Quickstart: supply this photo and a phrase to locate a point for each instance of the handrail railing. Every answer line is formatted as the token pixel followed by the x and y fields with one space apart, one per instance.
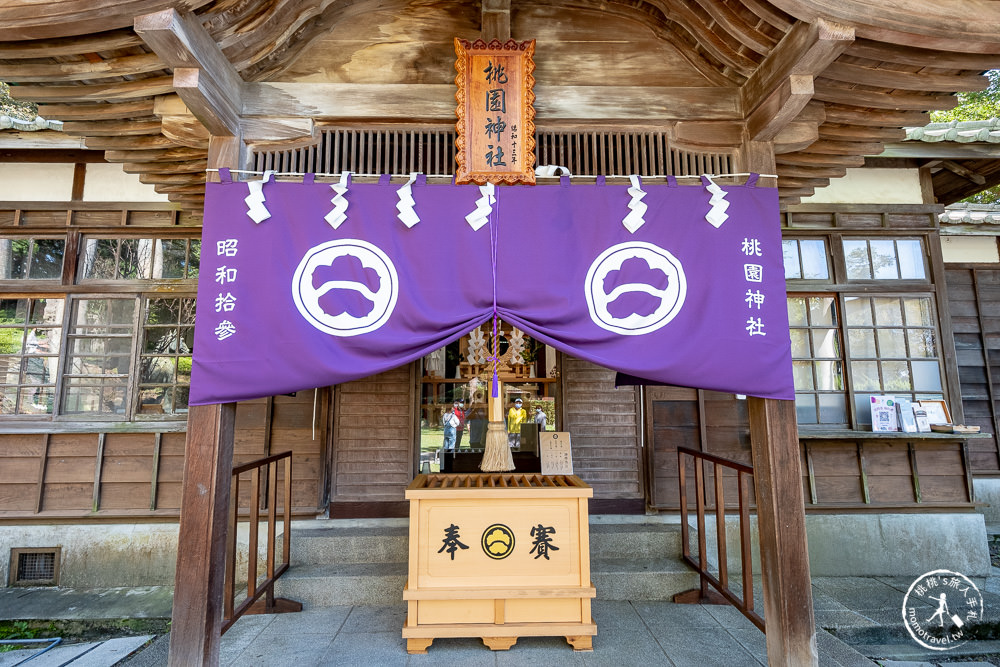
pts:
pixel 744 603
pixel 231 612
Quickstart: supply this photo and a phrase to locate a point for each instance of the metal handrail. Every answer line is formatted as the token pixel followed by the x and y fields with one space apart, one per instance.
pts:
pixel 231 612
pixel 744 603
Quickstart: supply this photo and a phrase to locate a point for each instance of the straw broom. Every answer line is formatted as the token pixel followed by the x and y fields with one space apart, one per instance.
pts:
pixel 496 456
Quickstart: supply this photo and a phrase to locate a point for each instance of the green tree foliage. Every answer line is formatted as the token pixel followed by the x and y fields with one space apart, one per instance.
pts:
pixel 982 105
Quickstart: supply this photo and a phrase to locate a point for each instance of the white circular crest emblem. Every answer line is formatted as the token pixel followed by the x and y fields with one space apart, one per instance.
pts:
pixel 361 277
pixel 611 291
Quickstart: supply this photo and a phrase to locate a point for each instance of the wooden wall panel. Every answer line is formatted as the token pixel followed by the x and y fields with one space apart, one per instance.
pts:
pixel 170 473
pixel 20 471
pixel 974 307
pixel 374 437
pixel 604 424
pixel 127 470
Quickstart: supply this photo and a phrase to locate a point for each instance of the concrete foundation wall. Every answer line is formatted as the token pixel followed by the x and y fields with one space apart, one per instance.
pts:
pixel 858 545
pixel 987 492
pixel 114 555
pixel 873 545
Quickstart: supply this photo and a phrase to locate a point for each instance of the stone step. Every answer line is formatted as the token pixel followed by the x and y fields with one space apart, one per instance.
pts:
pixel 335 542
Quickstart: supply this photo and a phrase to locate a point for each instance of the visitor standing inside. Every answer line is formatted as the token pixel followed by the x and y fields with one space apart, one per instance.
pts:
pixel 515 417
pixel 459 410
pixel 450 423
pixel 540 418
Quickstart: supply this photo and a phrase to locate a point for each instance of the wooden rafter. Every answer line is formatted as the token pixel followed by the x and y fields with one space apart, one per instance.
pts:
pixel 203 77
pixel 80 71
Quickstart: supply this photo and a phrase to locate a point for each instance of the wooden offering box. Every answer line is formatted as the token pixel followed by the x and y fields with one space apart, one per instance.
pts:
pixel 498 556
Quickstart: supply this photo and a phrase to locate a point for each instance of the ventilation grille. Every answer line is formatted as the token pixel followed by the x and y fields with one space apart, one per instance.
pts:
pixel 432 152
pixel 34 567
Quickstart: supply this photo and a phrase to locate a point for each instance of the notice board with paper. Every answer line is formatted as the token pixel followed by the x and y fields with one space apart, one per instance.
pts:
pixel 556 453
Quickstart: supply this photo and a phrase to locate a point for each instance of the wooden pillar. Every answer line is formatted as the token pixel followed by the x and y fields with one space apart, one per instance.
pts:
pixel 781 518
pixel 201 544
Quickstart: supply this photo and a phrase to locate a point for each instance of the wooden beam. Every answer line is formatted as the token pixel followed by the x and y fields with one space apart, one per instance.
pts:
pixel 62 155
pixel 128 142
pixel 175 167
pixel 42 139
pixel 965 26
pixel 956 168
pixel 807 49
pixel 918 57
pixel 155 155
pixel 713 134
pixel 861 133
pixel 830 147
pixel 853 114
pixel 69 46
pixel 496 20
pixel 805 172
pixel 436 102
pixel 829 92
pixel 780 108
pixel 804 159
pixel 80 71
pixel 795 136
pixel 205 79
pixel 210 104
pixel 112 128
pixel 103 92
pixel 99 111
pixel 922 80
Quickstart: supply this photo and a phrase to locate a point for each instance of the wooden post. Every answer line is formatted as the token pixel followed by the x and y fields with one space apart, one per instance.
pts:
pixel 781 515
pixel 201 543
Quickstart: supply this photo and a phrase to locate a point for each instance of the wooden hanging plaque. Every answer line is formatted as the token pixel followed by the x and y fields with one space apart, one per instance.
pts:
pixel 496 113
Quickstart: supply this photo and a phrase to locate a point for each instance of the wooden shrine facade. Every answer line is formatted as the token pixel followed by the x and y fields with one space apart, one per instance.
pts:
pixel 796 88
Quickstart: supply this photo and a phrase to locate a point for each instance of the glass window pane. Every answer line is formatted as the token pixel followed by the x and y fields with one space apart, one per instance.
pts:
pixel 13 311
pixel 805 408
pixel 829 376
pixel 158 370
pixel 832 408
pixel 35 401
pixel 918 312
pixel 884 260
pixel 814 265
pixel 800 344
pixel 856 256
pixel 921 342
pixel 821 312
pixel 790 255
pixel 8 400
pixel 891 343
pixel 863 408
pixel 47 259
pixel 926 376
pixel 825 344
pixel 170 260
pixel 887 311
pixel 861 343
pixel 11 340
pixel 864 376
pixel 911 259
pixel 802 372
pixel 14 258
pixel 99 259
pixel 859 311
pixel 194 260
pixel 152 399
pixel 163 311
pixel 896 376
pixel 797 311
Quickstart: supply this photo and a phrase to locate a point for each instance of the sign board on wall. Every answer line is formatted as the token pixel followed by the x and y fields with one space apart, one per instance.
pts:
pixel 496 116
pixel 556 453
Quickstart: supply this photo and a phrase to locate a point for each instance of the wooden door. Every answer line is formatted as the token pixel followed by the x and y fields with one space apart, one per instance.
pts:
pixel 374 431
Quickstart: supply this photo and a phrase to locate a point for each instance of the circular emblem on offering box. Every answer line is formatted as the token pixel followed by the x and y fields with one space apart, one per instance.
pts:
pixel 635 288
pixel 940 607
pixel 498 541
pixel 345 287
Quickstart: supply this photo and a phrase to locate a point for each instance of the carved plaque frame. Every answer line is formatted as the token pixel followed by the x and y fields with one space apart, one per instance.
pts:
pixel 495 140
